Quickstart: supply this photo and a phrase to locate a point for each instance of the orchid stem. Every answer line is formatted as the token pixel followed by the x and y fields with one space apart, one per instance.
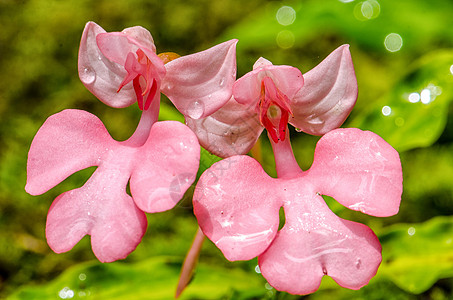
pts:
pixel 285 162
pixel 190 262
pixel 147 119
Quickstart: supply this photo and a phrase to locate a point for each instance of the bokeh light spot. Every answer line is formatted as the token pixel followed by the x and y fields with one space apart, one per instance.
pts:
pixel 414 97
pixel 66 293
pixel 286 15
pixel 393 42
pixel 451 69
pixel 367 10
pixel 285 39
pixel 386 110
pixel 425 96
pixel 399 122
pixel 411 231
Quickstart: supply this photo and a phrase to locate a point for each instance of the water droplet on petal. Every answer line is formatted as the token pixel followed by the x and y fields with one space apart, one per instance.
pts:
pixel 88 76
pixel 324 270
pixel 299 129
pixel 316 121
pixel 222 81
pixel 195 110
pixel 358 263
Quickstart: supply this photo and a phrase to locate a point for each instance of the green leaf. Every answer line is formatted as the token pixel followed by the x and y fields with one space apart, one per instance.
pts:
pixel 206 160
pixel 414 113
pixel 155 278
pixel 415 256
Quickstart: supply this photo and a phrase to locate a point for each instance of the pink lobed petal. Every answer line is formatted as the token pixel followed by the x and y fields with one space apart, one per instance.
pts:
pixel 102 209
pixel 101 76
pixel 314 242
pixel 67 142
pixel 360 170
pixel 287 79
pixel 237 208
pixel 232 130
pixel 200 83
pixel 328 95
pixel 165 166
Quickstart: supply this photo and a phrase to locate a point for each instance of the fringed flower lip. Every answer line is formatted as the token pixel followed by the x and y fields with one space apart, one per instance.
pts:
pixel 271 96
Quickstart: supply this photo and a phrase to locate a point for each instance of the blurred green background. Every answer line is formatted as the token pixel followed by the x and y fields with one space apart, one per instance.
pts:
pixel 403 56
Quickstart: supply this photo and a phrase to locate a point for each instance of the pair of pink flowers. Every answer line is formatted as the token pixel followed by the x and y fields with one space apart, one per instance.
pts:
pixel 236 203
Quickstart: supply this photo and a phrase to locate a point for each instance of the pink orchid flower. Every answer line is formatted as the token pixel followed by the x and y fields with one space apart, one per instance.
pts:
pixel 121 68
pixel 237 206
pixel 272 96
pixel 159 161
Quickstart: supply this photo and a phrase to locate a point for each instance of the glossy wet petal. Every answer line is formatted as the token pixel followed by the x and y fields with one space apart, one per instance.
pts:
pixel 116 46
pixel 101 76
pixel 287 79
pixel 231 130
pixel 314 242
pixel 102 209
pixel 328 95
pixel 141 36
pixel 200 83
pixel 360 170
pixel 165 166
pixel 67 142
pixel 237 208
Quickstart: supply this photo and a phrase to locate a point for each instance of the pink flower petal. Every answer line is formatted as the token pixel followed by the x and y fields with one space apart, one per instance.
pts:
pixel 141 36
pixel 101 76
pixel 67 142
pixel 328 95
pixel 314 242
pixel 261 63
pixel 231 130
pixel 360 170
pixel 287 79
pixel 165 166
pixel 102 209
pixel 199 84
pixel 102 57
pixel 237 208
pixel 116 46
